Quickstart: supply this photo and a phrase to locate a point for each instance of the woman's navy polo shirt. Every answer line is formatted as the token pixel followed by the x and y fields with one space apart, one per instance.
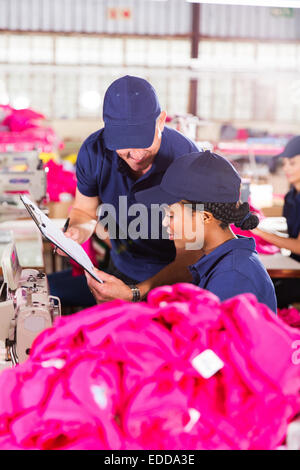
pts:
pixel 291 211
pixel 234 268
pixel 101 172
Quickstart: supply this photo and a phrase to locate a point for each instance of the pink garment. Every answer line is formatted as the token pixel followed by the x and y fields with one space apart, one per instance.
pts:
pixel 20 132
pixel 291 316
pixel 18 120
pixel 262 246
pixel 59 181
pixel 232 344
pixel 120 376
pixel 242 134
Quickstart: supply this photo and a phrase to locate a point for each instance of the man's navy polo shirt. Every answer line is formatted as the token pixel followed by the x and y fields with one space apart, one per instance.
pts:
pixel 291 211
pixel 101 172
pixel 234 268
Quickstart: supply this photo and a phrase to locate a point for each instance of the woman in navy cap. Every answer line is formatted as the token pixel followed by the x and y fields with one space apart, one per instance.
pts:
pixel 206 186
pixel 288 290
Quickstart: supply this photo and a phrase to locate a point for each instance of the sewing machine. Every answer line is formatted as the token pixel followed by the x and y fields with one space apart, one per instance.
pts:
pixel 28 308
pixel 20 172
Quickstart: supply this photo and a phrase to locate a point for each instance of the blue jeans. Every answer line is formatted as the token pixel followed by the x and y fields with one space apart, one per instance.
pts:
pixel 73 291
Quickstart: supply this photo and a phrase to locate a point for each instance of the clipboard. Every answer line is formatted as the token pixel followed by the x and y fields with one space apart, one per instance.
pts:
pixel 57 237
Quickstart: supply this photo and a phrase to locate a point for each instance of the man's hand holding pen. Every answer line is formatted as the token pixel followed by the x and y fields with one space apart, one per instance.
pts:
pixel 79 233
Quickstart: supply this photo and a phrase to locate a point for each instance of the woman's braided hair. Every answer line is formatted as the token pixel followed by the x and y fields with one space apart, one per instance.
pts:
pixel 230 213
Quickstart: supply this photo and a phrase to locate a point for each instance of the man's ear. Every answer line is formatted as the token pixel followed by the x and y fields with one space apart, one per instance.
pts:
pixel 161 120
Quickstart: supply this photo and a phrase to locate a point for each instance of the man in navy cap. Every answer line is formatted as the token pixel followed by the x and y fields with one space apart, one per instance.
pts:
pixel 131 153
pixel 288 290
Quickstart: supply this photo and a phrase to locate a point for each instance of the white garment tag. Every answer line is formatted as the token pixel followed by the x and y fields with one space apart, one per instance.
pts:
pixel 207 363
pixel 57 363
pixel 99 395
pixel 194 417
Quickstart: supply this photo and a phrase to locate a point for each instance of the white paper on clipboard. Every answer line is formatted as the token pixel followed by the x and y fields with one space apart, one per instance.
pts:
pixel 57 237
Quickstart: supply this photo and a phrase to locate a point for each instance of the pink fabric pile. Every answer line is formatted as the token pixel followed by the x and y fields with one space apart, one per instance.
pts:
pixel 122 376
pixel 291 316
pixel 19 131
pixel 59 181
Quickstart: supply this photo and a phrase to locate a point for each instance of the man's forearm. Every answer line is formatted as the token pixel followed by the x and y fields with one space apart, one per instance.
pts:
pixel 79 217
pixel 177 271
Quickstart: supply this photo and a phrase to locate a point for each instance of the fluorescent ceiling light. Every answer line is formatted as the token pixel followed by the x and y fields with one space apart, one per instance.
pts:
pixel 253 3
pixel 4 98
pixel 20 102
pixel 90 100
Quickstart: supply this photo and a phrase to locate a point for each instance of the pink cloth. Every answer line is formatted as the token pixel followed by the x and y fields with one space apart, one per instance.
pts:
pixel 18 120
pixel 20 132
pixel 120 376
pixel 291 316
pixel 59 181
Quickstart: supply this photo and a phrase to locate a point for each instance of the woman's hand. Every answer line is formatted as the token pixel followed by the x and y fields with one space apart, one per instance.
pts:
pixel 111 289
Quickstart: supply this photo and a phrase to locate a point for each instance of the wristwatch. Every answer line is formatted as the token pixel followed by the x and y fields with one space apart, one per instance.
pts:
pixel 136 293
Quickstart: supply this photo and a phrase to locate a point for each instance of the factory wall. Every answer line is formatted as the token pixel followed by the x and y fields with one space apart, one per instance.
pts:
pixel 224 21
pixel 170 17
pixel 97 16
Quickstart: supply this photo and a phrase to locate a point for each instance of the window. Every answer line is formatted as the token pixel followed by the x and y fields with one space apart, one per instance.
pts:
pixel 243 98
pixel 67 76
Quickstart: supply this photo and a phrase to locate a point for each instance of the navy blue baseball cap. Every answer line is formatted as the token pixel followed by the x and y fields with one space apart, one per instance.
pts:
pixel 197 177
pixel 292 148
pixel 130 110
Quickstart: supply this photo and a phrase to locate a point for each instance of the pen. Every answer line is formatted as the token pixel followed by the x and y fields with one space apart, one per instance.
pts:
pixel 65 228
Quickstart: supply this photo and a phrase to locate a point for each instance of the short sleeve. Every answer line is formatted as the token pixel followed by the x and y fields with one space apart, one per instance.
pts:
pixel 180 144
pixel 193 147
pixel 86 173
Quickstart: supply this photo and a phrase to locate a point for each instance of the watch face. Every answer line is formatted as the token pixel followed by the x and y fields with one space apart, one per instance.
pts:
pixel 136 295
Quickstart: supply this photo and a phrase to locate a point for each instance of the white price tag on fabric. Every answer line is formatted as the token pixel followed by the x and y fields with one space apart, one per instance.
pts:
pixel 194 417
pixel 99 395
pixel 207 363
pixel 57 363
